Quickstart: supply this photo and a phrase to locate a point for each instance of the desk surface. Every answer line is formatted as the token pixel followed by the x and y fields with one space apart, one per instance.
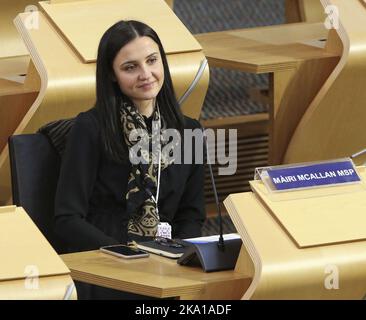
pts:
pixel 72 18
pixel 155 276
pixel 282 270
pixel 265 49
pixel 14 66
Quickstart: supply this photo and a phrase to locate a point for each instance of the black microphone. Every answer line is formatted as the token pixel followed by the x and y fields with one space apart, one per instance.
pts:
pixel 221 243
pixel 212 256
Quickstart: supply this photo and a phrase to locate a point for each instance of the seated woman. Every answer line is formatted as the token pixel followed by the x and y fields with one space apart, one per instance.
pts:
pixel 104 198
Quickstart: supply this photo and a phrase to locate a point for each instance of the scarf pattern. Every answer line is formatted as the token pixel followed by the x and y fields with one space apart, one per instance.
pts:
pixel 142 183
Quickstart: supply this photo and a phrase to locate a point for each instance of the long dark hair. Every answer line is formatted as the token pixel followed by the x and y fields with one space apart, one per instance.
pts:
pixel 109 95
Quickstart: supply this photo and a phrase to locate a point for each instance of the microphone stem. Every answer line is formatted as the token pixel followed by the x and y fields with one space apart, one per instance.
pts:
pixel 221 243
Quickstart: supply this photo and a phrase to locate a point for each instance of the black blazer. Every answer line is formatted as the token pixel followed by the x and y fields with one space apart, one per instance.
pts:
pixel 90 198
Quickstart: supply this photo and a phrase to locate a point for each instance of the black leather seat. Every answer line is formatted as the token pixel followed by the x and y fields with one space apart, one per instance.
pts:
pixel 35 166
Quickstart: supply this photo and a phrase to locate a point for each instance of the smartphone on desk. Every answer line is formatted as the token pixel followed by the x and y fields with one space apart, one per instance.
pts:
pixel 125 252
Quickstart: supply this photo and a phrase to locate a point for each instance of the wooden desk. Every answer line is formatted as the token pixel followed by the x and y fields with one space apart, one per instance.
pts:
pixel 30 268
pixel 298 63
pixel 19 88
pixel 265 49
pixel 13 66
pixel 155 276
pixel 280 268
pixel 304 10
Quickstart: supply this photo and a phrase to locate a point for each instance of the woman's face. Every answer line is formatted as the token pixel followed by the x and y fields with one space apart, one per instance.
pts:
pixel 139 70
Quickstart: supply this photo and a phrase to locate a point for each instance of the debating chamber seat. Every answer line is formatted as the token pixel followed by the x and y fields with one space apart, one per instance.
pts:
pixel 62 80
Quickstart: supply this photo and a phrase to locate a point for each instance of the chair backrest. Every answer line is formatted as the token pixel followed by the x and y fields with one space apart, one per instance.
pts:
pixel 35 166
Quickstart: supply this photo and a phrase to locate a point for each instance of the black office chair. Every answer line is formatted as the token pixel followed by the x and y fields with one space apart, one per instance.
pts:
pixel 35 166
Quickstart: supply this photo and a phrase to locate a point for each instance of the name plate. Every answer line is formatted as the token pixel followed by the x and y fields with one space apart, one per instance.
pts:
pixel 313 175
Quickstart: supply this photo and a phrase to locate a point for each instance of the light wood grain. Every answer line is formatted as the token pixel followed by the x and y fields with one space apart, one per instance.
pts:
pixel 22 244
pixel 13 108
pixel 48 288
pixel 311 11
pixel 304 215
pixel 235 121
pixel 14 45
pixel 265 49
pixel 16 97
pixel 170 3
pixel 304 10
pixel 155 276
pixel 333 125
pixel 281 270
pixel 292 11
pixel 157 14
pixel 298 63
pixel 292 93
pixel 9 67
pixel 25 253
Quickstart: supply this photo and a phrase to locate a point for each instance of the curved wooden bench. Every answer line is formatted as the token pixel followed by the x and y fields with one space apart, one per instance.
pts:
pixel 334 124
pixel 17 92
pixel 304 244
pixel 280 270
pixel 9 35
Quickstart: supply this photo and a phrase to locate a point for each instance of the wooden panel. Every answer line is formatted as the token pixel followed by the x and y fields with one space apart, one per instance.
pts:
pixel 254 123
pixel 311 11
pixel 13 108
pixel 22 244
pixel 305 214
pixel 155 276
pixel 183 68
pixel 297 59
pixel 292 93
pixel 333 125
pixel 49 288
pixel 292 11
pixel 282 271
pixel 9 35
pixel 265 49
pixel 304 11
pixel 13 66
pixel 30 267
pixel 170 3
pixel 67 15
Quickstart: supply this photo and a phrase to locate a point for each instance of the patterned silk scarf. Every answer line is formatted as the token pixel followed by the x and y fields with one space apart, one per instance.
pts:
pixel 142 182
